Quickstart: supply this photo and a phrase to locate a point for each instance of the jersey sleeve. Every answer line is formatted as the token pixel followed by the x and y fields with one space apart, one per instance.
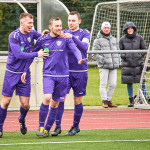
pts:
pixel 37 47
pixel 16 50
pixel 72 47
pixel 36 35
pixel 85 40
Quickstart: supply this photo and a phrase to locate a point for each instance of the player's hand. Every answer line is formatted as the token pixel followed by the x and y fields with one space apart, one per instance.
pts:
pixel 65 35
pixel 43 54
pixel 45 32
pixel 23 77
pixel 82 61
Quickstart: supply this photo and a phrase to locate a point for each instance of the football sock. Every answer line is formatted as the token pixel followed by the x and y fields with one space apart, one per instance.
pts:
pixel 23 114
pixel 3 113
pixel 51 118
pixel 59 114
pixel 43 114
pixel 78 110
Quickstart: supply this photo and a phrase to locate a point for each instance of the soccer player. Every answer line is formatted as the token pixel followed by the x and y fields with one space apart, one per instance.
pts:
pixel 20 44
pixel 55 72
pixel 77 73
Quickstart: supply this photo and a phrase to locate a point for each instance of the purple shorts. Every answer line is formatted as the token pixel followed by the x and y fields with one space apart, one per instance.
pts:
pixel 12 81
pixel 78 82
pixel 57 86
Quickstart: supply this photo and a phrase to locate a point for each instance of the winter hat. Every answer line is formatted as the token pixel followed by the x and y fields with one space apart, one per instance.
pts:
pixel 105 24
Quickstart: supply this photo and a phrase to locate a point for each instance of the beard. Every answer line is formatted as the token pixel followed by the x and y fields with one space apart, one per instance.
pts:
pixel 56 33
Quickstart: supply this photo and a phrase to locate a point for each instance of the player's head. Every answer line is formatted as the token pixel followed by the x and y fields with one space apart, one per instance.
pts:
pixel 55 26
pixel 26 22
pixel 74 20
pixel 105 27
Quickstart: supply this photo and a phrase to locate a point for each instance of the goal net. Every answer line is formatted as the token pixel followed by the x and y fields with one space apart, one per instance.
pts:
pixel 118 13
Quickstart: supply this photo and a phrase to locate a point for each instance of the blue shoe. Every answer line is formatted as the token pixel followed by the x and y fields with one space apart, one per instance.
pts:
pixel 1 133
pixel 72 131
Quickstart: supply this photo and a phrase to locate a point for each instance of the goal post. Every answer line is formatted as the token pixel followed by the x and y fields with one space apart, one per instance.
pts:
pixel 118 13
pixel 142 100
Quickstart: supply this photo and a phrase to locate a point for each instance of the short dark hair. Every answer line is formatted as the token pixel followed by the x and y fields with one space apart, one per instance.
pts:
pixel 75 13
pixel 24 15
pixel 53 19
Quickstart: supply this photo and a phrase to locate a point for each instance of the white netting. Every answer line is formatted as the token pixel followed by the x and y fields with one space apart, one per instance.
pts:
pixel 118 13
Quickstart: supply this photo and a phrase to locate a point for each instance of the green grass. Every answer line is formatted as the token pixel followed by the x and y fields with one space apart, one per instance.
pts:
pixel 120 96
pixel 103 139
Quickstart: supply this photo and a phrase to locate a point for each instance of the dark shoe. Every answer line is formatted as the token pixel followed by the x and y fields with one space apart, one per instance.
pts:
pixel 72 131
pixel 23 128
pixel 1 133
pixel 111 105
pixel 105 104
pixel 56 131
pixel 148 99
pixel 131 104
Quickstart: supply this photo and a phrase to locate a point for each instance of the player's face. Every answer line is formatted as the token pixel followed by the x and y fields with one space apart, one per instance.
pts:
pixel 26 25
pixel 106 30
pixel 56 28
pixel 130 30
pixel 73 22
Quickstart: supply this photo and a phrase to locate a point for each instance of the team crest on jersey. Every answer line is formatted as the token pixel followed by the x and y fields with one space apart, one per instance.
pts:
pixel 29 39
pixel 58 43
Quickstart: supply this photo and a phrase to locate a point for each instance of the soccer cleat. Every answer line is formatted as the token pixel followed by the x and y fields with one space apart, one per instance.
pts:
pixel 56 131
pixel 1 133
pixel 23 128
pixel 40 132
pixel 73 131
pixel 45 134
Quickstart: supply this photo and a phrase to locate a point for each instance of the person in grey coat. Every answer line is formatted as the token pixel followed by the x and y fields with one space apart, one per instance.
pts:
pixel 132 63
pixel 107 63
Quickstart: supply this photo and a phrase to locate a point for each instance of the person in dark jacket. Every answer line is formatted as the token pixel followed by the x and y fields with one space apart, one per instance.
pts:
pixel 132 63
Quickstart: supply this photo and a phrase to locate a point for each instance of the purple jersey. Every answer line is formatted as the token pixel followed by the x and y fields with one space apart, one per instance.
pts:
pixel 56 64
pixel 81 38
pixel 19 49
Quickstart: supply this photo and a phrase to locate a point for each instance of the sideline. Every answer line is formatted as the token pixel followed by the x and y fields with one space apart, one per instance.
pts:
pixel 71 142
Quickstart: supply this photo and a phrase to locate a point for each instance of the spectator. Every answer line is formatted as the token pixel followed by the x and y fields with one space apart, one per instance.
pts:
pixel 132 63
pixel 107 63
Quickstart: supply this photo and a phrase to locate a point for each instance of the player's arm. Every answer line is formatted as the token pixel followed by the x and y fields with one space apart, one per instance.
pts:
pixel 16 50
pixel 41 53
pixel 81 44
pixel 75 51
pixel 36 35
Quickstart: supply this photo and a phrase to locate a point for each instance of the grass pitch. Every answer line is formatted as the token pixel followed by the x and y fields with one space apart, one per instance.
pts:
pixel 103 139
pixel 120 95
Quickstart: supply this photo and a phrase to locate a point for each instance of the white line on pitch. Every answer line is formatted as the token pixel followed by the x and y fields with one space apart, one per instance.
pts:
pixel 105 141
